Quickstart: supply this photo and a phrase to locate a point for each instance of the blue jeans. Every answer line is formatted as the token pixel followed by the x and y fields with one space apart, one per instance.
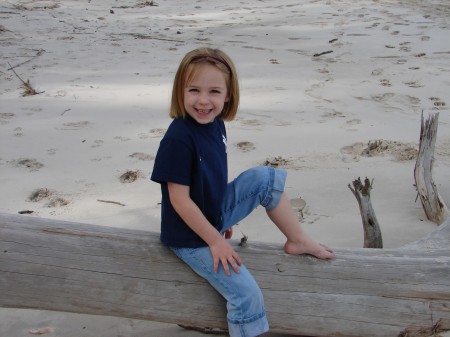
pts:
pixel 245 304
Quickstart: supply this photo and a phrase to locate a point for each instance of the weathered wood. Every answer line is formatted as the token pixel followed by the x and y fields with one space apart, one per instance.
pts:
pixel 64 266
pixel 433 204
pixel 372 231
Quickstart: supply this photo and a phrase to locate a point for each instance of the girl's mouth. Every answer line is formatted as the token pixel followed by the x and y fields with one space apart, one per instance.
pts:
pixel 203 111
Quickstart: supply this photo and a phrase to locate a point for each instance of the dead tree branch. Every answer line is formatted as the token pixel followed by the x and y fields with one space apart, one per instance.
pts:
pixel 39 53
pixel 372 232
pixel 433 205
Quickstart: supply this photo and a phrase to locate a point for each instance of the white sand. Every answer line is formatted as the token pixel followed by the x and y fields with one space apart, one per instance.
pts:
pixel 105 81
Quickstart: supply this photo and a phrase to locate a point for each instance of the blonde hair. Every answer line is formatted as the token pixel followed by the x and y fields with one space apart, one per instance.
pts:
pixel 186 72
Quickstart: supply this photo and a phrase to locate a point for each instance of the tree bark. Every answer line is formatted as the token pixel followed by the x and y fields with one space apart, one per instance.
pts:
pixel 433 205
pixel 72 267
pixel 372 231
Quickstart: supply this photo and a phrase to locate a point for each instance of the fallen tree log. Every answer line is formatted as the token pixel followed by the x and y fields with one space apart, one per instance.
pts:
pixel 71 267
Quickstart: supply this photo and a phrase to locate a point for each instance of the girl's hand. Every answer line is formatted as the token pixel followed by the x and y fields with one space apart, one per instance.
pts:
pixel 228 233
pixel 186 208
pixel 223 253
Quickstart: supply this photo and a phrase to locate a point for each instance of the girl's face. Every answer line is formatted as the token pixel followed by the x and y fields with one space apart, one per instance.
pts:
pixel 206 94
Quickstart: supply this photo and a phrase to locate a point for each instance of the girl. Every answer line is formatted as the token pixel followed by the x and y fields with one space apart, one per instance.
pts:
pixel 199 206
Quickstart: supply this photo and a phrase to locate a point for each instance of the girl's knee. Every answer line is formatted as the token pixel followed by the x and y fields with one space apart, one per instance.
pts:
pixel 259 174
pixel 271 182
pixel 267 175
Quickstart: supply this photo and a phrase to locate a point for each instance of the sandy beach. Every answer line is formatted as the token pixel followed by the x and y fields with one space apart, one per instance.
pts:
pixel 320 81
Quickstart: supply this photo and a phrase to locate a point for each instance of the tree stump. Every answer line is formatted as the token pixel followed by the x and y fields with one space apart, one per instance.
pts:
pixel 372 232
pixel 433 205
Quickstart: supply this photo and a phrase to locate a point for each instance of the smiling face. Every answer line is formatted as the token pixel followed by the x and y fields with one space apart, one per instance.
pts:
pixel 206 93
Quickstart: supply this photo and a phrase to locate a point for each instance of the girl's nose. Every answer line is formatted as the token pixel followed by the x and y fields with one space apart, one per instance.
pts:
pixel 203 98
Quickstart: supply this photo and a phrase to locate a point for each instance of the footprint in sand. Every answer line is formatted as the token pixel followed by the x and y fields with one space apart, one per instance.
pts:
pixel 153 133
pixel 251 122
pixel 158 132
pixel 323 71
pixel 122 139
pixel 74 125
pixel 382 97
pixel 40 194
pixel 437 102
pixel 44 193
pixel 18 132
pixel 142 156
pixel 404 47
pixel 298 205
pixel 377 72
pixel 37 5
pixel 31 164
pixel 5 117
pixel 413 84
pixel 58 202
pixel 97 159
pixel 333 114
pixel 245 146
pixel 97 143
pixel 352 153
pixel 60 93
pixel 130 176
pixel 354 121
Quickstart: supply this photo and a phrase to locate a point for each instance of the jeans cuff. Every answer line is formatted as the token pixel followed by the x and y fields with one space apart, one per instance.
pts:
pixel 279 180
pixel 249 329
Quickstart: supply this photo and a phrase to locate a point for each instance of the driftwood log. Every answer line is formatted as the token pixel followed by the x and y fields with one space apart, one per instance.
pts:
pixel 433 204
pixel 372 231
pixel 71 267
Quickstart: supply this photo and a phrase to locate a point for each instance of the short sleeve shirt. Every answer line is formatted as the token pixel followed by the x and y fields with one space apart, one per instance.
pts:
pixel 194 155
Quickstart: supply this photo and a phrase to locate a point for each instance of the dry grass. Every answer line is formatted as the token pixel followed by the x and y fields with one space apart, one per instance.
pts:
pixel 28 89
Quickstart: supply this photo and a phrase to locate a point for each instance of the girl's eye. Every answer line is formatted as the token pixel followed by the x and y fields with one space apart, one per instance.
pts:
pixel 215 91
pixel 193 90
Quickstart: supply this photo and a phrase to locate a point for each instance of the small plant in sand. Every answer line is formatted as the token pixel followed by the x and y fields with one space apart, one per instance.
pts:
pixel 39 194
pixel 130 176
pixel 147 3
pixel 28 89
pixel 141 4
pixel 276 161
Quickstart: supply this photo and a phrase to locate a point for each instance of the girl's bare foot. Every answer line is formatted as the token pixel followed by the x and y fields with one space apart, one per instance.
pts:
pixel 309 247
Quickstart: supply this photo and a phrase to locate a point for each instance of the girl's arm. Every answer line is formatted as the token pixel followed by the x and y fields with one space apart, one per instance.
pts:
pixel 221 250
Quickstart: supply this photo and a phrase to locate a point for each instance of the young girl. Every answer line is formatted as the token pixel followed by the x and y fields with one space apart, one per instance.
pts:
pixel 199 206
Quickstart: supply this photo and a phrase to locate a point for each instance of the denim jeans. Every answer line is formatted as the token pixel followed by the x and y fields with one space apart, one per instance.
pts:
pixel 245 305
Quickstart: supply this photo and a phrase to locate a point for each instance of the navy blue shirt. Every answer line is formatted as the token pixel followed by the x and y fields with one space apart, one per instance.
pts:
pixel 195 155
